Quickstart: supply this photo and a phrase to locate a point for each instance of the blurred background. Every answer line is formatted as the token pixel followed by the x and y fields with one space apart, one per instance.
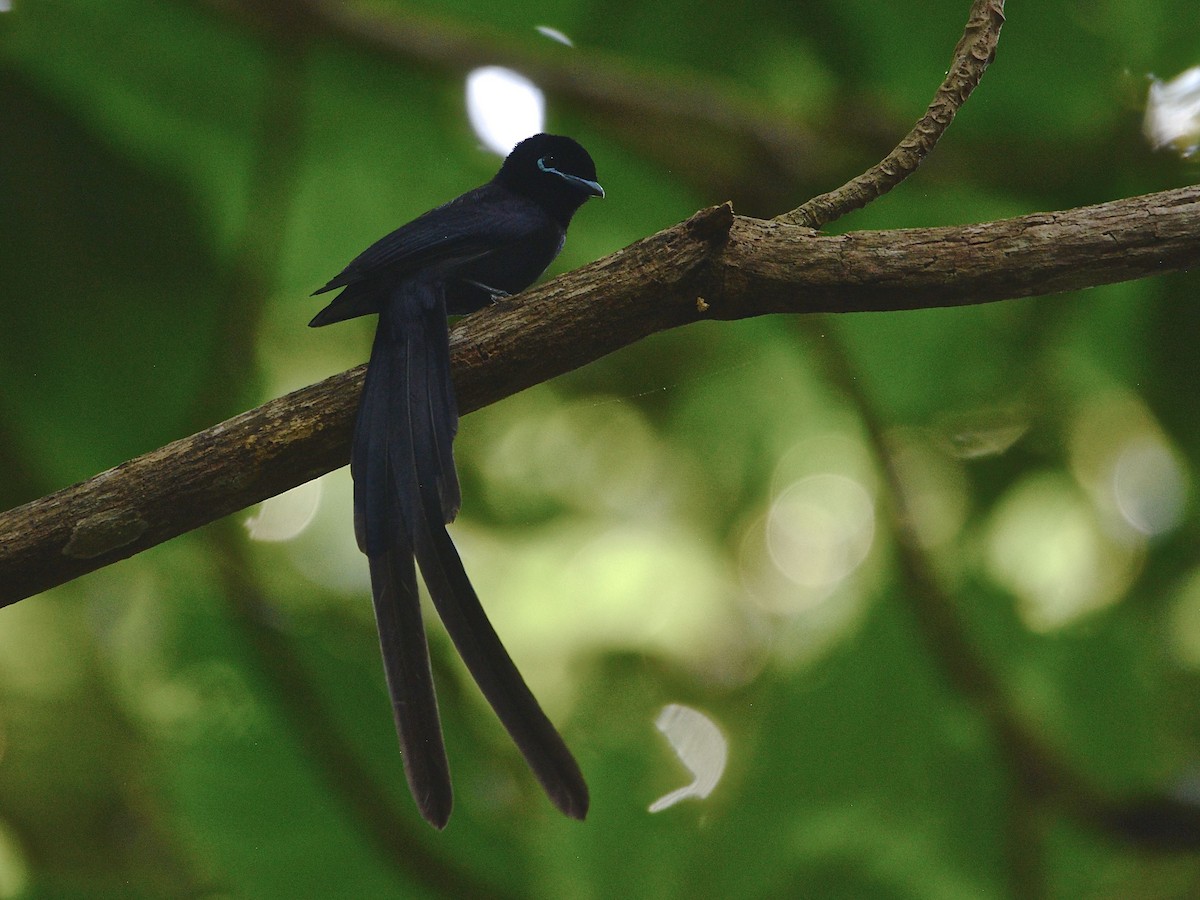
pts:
pixel 920 590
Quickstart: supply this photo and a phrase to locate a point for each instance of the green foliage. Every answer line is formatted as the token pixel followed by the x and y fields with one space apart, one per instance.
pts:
pixel 171 726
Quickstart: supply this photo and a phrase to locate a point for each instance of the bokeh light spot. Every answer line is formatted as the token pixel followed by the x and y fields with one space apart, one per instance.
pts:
pixel 933 484
pixel 504 107
pixel 1149 486
pixel 820 529
pixel 582 455
pixel 285 516
pixel 1045 545
pixel 1173 113
pixel 14 862
pixel 984 432
pixel 555 35
pixel 1183 635
pixel 1121 457
pixel 700 746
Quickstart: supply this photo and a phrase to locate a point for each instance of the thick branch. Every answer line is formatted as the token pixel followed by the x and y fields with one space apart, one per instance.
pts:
pixel 715 265
pixel 773 268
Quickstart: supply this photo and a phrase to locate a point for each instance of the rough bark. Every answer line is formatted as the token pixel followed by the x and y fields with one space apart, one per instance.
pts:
pixel 716 265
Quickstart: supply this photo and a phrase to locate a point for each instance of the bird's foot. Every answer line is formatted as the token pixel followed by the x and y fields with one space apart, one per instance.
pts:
pixel 495 294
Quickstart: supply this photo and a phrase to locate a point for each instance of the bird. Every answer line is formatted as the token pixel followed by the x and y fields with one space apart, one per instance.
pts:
pixel 478 248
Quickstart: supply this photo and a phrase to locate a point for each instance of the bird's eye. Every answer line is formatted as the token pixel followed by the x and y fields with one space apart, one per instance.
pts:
pixel 546 164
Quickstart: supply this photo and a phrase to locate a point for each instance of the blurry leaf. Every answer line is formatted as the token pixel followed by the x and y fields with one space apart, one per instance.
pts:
pixel 114 299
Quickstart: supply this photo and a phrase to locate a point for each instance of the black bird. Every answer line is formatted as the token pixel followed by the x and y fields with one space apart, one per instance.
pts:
pixel 492 241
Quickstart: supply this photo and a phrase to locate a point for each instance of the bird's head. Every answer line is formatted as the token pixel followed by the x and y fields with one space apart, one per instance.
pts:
pixel 554 171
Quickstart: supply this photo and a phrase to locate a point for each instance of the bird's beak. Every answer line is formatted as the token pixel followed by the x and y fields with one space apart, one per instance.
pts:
pixel 591 187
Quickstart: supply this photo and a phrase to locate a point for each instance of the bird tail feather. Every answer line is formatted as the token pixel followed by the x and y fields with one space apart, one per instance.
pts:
pixel 434 417
pixel 383 464
pixel 405 491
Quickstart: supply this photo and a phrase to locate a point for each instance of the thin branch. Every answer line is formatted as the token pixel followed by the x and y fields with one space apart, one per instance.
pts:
pixel 974 53
pixel 600 84
pixel 1030 765
pixel 707 128
pixel 714 265
pixel 1040 774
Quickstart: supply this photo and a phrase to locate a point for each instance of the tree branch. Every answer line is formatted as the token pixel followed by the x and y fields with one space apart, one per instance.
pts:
pixel 694 122
pixel 714 265
pixel 974 53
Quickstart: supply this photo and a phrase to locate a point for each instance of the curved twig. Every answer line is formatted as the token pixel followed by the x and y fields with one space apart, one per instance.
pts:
pixel 974 53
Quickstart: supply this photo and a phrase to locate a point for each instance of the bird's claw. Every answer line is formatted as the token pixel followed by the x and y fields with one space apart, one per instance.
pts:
pixel 495 294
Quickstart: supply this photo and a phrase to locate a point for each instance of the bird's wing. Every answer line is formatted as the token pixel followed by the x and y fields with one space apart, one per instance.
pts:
pixel 479 222
pixel 484 221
